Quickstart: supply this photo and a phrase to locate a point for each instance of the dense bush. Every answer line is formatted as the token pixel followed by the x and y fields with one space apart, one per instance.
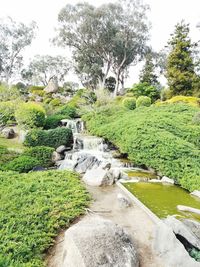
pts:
pixel 67 111
pixel 42 154
pixel 53 121
pixel 30 115
pixel 144 89
pixel 161 137
pixel 6 156
pixel 7 112
pixel 35 88
pixel 129 103
pixel 190 100
pixel 143 101
pixel 21 164
pixel 34 207
pixel 52 138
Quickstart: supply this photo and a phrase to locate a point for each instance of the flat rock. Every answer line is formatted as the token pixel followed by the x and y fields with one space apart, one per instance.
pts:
pixel 195 193
pixel 98 177
pixel 165 179
pixel 188 209
pixel 96 242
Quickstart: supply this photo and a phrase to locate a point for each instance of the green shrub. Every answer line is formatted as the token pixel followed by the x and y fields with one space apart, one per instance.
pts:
pixel 42 154
pixel 143 101
pixel 6 156
pixel 129 103
pixel 160 137
pixel 67 111
pixel 53 121
pixel 7 112
pixel 144 89
pixel 52 138
pixel 55 102
pixel 30 115
pixel 34 208
pixel 21 164
pixel 38 92
pixel 35 88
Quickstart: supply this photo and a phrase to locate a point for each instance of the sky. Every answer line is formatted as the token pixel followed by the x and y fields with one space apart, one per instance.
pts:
pixel 163 15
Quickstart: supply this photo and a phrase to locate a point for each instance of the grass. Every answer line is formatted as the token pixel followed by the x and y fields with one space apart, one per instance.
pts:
pixel 34 207
pixel 161 137
pixel 11 144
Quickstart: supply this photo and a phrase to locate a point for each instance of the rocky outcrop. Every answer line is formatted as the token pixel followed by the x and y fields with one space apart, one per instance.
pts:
pixel 170 249
pixel 96 242
pixel 181 229
pixel 8 133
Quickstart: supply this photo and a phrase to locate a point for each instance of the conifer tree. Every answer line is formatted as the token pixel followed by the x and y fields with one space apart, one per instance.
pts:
pixel 147 74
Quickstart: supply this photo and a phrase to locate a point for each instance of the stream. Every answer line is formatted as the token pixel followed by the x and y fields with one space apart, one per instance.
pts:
pixel 90 152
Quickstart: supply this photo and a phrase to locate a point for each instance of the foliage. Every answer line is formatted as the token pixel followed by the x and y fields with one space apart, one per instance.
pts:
pixel 42 154
pixel 30 115
pixel 34 88
pixel 34 207
pixel 8 93
pixel 53 121
pixel 196 118
pixel 43 68
pixel 180 72
pixel 52 138
pixel 21 164
pixel 55 102
pixel 6 155
pixel 161 137
pixel 129 102
pixel 68 111
pixel 7 112
pixel 190 100
pixel 147 74
pixel 104 38
pixel 144 89
pixel 15 37
pixel 143 101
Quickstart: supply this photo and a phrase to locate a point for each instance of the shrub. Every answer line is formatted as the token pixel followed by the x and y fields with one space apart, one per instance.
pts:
pixel 53 121
pixel 6 156
pixel 7 112
pixel 190 100
pixel 38 92
pixel 8 93
pixel 52 138
pixel 21 164
pixel 143 101
pixel 30 115
pixel 55 102
pixel 42 154
pixel 129 103
pixel 144 89
pixel 196 118
pixel 35 88
pixel 67 111
pixel 34 207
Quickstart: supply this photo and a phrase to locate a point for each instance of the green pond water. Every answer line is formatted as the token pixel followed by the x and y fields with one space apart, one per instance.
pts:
pixel 163 199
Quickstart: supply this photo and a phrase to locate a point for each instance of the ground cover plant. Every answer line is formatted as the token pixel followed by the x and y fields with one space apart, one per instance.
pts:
pixel 34 207
pixel 162 137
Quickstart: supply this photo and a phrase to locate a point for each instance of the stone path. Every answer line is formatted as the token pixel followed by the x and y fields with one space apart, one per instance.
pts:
pixel 133 219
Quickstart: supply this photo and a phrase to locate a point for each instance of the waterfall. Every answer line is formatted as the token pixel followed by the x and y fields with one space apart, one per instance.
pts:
pixel 77 125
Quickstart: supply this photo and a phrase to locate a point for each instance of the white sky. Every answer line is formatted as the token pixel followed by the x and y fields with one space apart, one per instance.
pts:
pixel 164 14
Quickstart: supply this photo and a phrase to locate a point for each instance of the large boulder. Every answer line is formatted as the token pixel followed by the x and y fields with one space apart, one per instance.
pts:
pixel 62 149
pixel 86 162
pixel 8 133
pixel 182 230
pixel 96 242
pixel 52 86
pixel 98 177
pixel 170 249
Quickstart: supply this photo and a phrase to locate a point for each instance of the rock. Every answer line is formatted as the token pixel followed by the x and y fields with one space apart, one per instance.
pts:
pixel 179 228
pixel 96 242
pixel 195 193
pixel 98 177
pixel 52 86
pixel 189 209
pixel 106 165
pixel 116 173
pixel 165 179
pixel 155 181
pixel 8 133
pixel 123 201
pixel 193 226
pixel 61 149
pixel 38 169
pixel 86 162
pixel 57 157
pixel 170 249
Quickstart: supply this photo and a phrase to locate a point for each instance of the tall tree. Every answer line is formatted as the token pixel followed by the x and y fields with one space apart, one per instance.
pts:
pixel 42 68
pixel 14 37
pixel 180 71
pixel 104 39
pixel 148 73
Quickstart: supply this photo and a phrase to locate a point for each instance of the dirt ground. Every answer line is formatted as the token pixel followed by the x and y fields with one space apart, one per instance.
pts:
pixel 133 219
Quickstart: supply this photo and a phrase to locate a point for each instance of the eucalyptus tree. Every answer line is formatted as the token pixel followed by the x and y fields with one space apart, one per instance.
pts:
pixel 104 39
pixel 43 67
pixel 14 38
